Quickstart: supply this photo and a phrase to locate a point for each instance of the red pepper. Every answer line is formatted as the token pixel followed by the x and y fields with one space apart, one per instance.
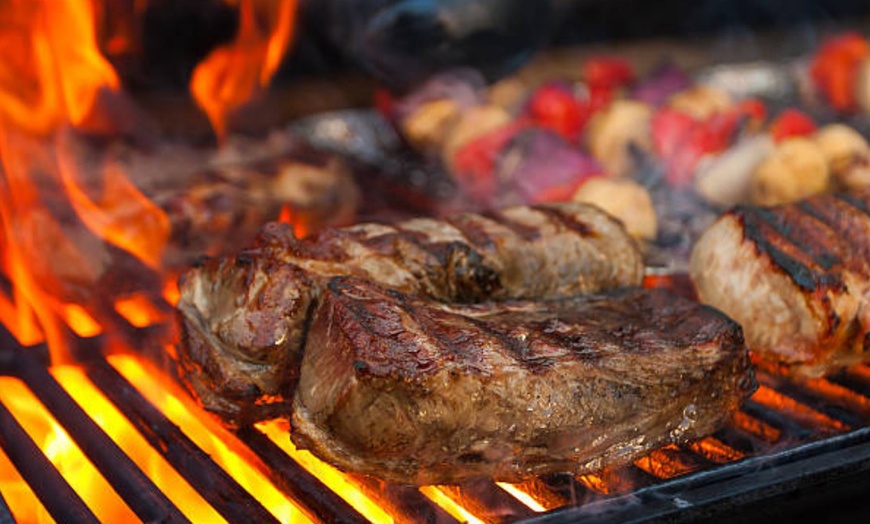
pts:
pixel 789 123
pixel 672 131
pixel 384 102
pixel 834 67
pixel 754 110
pixel 474 163
pixel 717 132
pixel 607 72
pixel 681 140
pixel 555 107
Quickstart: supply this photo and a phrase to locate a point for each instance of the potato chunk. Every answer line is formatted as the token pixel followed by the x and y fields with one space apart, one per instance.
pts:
pixel 797 169
pixel 628 201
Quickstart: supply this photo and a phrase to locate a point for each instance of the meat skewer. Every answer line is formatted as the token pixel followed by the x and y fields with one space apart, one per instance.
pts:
pixel 418 392
pixel 796 277
pixel 245 318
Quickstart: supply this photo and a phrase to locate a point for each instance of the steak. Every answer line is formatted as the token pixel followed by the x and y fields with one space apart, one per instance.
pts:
pixel 245 317
pixel 418 392
pixel 796 277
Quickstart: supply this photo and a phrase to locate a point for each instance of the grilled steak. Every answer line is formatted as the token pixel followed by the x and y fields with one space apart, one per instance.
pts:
pixel 416 392
pixel 796 276
pixel 244 318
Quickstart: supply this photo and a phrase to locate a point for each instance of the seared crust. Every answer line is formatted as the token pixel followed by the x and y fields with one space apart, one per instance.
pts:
pixel 797 277
pixel 244 317
pixel 414 392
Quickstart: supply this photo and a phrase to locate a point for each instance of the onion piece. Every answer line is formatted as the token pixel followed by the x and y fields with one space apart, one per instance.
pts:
pixel 723 180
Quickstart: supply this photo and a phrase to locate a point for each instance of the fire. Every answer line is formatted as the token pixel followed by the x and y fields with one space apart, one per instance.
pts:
pixel 801 413
pixel 134 444
pixel 66 456
pixel 294 218
pixel 52 71
pixel 68 216
pixel 164 394
pixel 232 74
pixel 437 495
pixel 334 479
pixel 59 213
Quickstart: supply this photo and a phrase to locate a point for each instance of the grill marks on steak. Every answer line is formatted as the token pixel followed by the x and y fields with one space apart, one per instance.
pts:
pixel 797 277
pixel 420 392
pixel 245 317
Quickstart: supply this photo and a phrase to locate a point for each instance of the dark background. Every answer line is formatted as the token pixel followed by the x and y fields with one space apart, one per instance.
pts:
pixel 177 34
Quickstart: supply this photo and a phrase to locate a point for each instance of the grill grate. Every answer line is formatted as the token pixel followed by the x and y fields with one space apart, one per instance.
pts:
pixel 789 436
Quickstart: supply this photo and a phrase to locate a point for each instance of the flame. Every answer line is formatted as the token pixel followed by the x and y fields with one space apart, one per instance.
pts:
pixel 524 495
pixel 296 219
pixel 52 70
pixel 139 310
pixel 755 427
pixel 57 213
pixel 119 429
pixel 716 451
pixel 121 214
pixel 22 501
pixel 233 74
pixel 801 413
pixel 66 456
pixel 438 495
pixel 666 463
pixel 596 483
pixel 165 395
pixel 337 481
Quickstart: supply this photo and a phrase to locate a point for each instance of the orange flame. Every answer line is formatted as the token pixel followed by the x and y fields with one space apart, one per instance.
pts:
pixel 52 70
pixel 57 213
pixel 159 389
pixel 232 74
pixel 66 456
pixel 122 432
pixel 296 219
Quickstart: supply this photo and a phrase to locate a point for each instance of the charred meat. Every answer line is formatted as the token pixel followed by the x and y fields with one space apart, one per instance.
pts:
pixel 245 317
pixel 796 276
pixel 418 392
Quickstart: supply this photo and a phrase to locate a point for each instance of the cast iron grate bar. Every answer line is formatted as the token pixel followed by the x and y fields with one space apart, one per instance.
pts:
pixel 794 444
pixel 568 487
pixel 406 499
pixel 486 500
pixel 295 481
pixel 59 499
pixel 230 499
pixel 134 487
pixel 727 488
pixel 807 397
pixel 6 516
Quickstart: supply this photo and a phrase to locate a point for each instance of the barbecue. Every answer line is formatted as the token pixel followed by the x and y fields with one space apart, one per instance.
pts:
pixel 137 136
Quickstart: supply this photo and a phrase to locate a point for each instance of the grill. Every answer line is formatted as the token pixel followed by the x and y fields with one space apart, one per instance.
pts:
pixel 795 445
pixel 113 437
